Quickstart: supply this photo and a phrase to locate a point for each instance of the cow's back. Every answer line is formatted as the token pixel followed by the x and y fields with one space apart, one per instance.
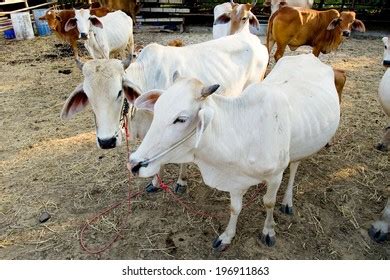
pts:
pixel 313 101
pixel 118 28
pixel 233 61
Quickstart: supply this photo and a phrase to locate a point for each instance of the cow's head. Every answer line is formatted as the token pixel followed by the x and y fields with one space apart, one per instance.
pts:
pixel 177 128
pixel 386 52
pixel 83 21
pixel 238 17
pixel 345 22
pixel 105 88
pixel 271 6
pixel 53 19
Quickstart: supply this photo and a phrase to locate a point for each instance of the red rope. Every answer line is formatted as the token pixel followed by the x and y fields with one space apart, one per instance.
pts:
pixel 111 208
pixel 201 213
pixel 130 195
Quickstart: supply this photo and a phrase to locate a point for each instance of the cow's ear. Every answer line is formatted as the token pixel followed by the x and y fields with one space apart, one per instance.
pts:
pixel 253 21
pixel 96 22
pixel 205 116
pixel 70 24
pixel 224 18
pixel 75 103
pixel 147 100
pixel 132 92
pixel 43 17
pixel 358 25
pixel 332 25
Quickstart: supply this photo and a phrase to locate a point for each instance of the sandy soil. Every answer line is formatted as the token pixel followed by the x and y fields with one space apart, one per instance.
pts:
pixel 55 166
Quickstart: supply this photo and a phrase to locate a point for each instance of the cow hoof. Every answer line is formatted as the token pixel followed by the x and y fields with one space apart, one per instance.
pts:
pixel 219 246
pixel 268 240
pixel 377 235
pixel 180 189
pixel 286 209
pixel 150 188
pixel 381 147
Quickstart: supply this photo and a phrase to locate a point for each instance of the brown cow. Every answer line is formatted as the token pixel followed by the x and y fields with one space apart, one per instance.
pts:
pixel 57 19
pixel 339 79
pixel 130 7
pixel 323 30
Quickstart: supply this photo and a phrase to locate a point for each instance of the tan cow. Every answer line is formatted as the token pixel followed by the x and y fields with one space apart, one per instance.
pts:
pixel 323 30
pixel 131 7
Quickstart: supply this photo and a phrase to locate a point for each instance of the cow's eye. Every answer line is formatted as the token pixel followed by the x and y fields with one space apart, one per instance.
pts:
pixel 119 94
pixel 180 120
pixel 244 18
pixel 385 47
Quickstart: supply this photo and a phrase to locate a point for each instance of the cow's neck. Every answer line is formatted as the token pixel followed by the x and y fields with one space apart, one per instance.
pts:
pixel 136 74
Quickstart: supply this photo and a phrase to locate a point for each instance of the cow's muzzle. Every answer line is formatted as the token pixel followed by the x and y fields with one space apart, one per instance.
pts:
pixel 107 143
pixel 83 36
pixel 346 33
pixel 386 63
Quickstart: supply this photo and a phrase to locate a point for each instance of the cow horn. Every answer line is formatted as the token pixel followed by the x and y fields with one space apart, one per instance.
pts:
pixel 206 91
pixel 254 3
pixel 79 64
pixel 126 62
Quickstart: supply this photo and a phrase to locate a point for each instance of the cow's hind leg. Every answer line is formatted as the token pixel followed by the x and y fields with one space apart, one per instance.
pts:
pixel 181 184
pixel 287 204
pixel 280 48
pixel 222 242
pixel 380 229
pixel 268 234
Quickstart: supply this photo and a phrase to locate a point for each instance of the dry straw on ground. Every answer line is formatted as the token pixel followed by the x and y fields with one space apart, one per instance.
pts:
pixel 55 166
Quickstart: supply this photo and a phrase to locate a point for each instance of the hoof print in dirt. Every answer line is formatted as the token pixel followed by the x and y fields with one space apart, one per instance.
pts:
pixel 44 217
pixel 219 246
pixel 286 209
pixel 150 188
pixel 65 71
pixel 377 234
pixel 267 240
pixel 180 189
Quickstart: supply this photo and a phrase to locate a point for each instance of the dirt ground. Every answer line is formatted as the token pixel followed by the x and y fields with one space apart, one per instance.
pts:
pixel 55 166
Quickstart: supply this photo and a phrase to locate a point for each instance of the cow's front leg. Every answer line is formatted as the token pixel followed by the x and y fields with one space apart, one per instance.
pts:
pixel 380 230
pixel 268 235
pixel 181 184
pixel 153 185
pixel 222 242
pixel 287 204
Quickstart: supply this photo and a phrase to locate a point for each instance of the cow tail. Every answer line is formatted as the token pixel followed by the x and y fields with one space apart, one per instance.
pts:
pixel 269 30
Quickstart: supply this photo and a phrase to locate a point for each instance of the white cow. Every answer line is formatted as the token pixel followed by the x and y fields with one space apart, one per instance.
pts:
pixel 384 94
pixel 105 35
pixel 240 142
pixel 380 229
pixel 234 62
pixel 230 18
pixel 276 4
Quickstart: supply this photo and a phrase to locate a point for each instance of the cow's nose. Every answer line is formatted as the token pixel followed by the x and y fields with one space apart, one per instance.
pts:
pixel 84 36
pixel 107 143
pixel 386 63
pixel 346 33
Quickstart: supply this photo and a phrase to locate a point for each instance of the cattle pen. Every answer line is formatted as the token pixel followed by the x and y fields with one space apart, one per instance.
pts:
pixel 51 166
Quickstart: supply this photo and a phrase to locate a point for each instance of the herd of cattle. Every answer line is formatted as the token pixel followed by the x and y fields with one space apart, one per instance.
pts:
pixel 210 104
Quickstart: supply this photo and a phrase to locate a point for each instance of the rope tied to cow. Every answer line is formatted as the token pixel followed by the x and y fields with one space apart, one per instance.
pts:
pixel 131 195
